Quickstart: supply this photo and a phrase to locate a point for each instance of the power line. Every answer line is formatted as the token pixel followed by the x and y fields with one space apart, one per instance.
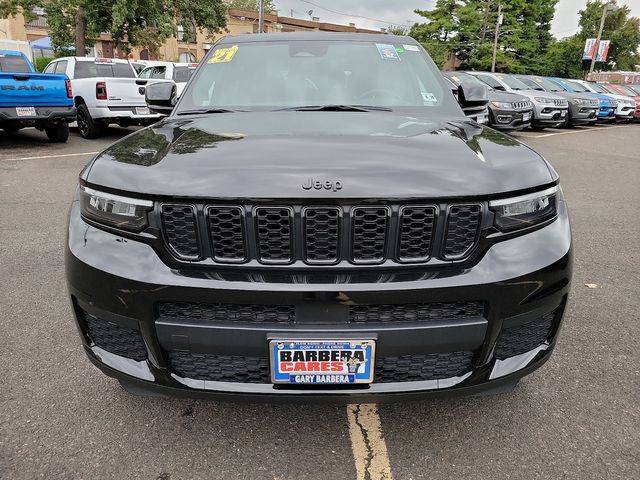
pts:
pixel 349 14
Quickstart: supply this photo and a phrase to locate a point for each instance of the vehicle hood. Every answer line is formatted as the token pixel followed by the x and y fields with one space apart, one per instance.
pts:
pixel 531 94
pixel 273 154
pixel 498 96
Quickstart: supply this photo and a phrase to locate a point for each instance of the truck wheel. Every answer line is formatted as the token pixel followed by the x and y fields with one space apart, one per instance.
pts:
pixel 86 126
pixel 58 133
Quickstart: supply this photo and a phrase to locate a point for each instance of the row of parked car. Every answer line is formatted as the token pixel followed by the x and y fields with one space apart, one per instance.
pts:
pixel 516 102
pixel 95 92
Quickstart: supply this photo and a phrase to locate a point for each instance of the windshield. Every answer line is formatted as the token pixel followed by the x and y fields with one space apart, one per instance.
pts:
pixel 287 74
pixel 627 90
pixel 550 86
pixel 513 82
pixel 530 83
pixel 594 86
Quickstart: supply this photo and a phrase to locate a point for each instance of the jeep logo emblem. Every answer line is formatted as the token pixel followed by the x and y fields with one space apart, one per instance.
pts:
pixel 322 185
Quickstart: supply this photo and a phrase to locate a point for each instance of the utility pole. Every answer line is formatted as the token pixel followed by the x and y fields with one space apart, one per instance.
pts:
pixel 495 38
pixel 261 16
pixel 607 8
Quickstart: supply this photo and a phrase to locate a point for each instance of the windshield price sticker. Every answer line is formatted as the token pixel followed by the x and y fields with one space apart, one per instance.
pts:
pixel 223 55
pixel 387 51
pixel 322 361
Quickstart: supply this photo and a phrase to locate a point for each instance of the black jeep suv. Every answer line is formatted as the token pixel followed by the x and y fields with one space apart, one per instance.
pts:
pixel 317 218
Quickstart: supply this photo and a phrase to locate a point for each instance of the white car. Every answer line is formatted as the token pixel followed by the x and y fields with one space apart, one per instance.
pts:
pixel 180 73
pixel 625 106
pixel 549 109
pixel 105 91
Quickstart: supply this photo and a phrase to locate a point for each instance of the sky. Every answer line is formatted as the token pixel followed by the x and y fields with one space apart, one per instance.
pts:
pixel 376 14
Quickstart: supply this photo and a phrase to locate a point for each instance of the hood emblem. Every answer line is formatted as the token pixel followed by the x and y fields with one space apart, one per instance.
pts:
pixel 315 184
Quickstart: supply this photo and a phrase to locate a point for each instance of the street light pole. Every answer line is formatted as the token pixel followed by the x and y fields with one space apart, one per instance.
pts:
pixel 605 10
pixel 261 16
pixel 495 39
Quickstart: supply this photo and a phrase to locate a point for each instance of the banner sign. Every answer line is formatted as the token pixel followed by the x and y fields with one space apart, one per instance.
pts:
pixel 590 50
pixel 603 51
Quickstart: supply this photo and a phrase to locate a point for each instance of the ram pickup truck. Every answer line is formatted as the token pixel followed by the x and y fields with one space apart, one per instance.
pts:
pixel 180 73
pixel 105 91
pixel 31 99
pixel 337 230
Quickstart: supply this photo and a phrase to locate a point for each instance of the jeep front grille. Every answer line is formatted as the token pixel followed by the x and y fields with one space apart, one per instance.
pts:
pixel 323 234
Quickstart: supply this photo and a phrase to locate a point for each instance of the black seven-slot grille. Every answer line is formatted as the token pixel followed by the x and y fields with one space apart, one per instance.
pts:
pixel 284 234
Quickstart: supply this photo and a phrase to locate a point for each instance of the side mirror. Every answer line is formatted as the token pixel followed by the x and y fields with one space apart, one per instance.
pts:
pixel 161 97
pixel 472 96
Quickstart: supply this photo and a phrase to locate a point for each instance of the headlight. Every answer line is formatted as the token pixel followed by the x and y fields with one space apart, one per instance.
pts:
pixel 113 210
pixel 503 105
pixel 524 211
pixel 543 99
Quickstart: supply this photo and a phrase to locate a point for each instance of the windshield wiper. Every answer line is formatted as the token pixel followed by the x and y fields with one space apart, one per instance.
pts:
pixel 334 108
pixel 207 110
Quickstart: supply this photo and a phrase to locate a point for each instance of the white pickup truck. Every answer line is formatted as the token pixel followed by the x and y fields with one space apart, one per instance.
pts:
pixel 180 73
pixel 105 91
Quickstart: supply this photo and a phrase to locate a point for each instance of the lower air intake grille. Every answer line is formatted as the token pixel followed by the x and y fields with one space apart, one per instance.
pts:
pixel 415 312
pixel 406 368
pixel 181 229
pixel 416 368
pixel 113 338
pixel 219 368
pixel 462 230
pixel 523 338
pixel 229 312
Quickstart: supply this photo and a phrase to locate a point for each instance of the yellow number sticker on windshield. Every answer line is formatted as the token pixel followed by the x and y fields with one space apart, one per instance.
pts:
pixel 223 55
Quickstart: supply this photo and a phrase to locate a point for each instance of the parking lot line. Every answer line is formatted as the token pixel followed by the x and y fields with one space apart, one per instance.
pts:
pixel 53 156
pixel 367 443
pixel 597 129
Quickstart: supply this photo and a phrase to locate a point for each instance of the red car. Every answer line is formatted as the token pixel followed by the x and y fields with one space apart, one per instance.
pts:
pixel 628 91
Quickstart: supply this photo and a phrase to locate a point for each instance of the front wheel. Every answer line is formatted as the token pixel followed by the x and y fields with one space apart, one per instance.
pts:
pixel 58 133
pixel 87 127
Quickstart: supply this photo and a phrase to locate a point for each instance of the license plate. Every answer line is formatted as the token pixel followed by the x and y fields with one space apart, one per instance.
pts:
pixel 26 111
pixel 526 117
pixel 322 362
pixel 142 110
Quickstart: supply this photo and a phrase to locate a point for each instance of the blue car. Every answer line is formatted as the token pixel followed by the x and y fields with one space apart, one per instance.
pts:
pixel 31 99
pixel 607 107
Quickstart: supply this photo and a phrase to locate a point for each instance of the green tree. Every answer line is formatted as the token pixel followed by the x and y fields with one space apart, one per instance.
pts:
pixel 250 5
pixel 467 28
pixel 564 57
pixel 145 23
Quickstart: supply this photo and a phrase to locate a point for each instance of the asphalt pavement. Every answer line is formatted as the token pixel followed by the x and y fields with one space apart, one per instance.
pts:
pixel 578 417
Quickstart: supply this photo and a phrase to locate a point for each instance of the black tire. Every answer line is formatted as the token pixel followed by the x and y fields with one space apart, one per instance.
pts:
pixel 58 133
pixel 87 127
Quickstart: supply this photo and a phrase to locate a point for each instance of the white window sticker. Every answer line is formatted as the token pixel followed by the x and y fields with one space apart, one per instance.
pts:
pixel 429 97
pixel 411 48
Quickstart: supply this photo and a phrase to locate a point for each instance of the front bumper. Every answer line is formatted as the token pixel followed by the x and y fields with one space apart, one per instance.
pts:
pixel 583 115
pixel 606 113
pixel 545 115
pixel 44 116
pixel 123 114
pixel 510 119
pixel 521 282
